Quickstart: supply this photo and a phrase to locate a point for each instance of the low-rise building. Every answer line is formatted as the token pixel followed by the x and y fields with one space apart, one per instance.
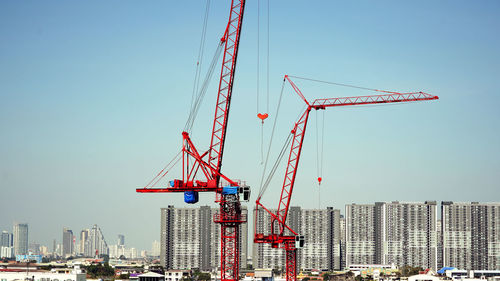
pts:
pixel 151 276
pixel 76 274
pixel 176 274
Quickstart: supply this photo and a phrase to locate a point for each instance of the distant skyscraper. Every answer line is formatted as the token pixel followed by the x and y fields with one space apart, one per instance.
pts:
pixel 6 245
pixel 97 244
pixel 155 248
pixel 191 239
pixel 121 240
pixel 84 241
pixel 44 250
pixel 7 239
pixel 67 239
pixel 20 239
pixel 34 248
pixel 471 235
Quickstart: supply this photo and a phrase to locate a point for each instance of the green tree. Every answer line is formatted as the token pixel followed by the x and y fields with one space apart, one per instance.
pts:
pixel 358 278
pixel 407 270
pixel 99 271
pixel 204 276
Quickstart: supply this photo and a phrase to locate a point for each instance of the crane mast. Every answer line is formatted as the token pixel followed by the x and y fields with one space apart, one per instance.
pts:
pixel 200 174
pixel 291 242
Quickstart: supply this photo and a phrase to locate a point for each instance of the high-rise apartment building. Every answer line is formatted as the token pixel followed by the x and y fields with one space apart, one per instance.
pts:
pixel 321 230
pixel 408 234
pixel 360 225
pixel 67 244
pixel 96 243
pixel 439 244
pixel 191 239
pixel 342 242
pixel 386 233
pixel 20 239
pixel 471 235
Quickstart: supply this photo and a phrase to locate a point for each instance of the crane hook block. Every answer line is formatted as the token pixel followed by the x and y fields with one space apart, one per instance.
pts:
pixel 262 116
pixel 320 179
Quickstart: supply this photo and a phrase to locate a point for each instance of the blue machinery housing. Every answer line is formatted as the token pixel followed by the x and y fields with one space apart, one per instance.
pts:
pixel 192 197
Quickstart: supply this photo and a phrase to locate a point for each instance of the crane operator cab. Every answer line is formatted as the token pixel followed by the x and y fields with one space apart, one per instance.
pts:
pixel 299 241
pixel 245 191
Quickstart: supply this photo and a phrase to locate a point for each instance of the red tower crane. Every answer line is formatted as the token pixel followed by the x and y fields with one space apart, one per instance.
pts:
pixel 202 172
pixel 291 242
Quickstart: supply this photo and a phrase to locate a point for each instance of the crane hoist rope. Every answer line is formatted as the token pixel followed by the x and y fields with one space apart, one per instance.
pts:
pixel 164 171
pixel 261 191
pixel 320 140
pixel 343 85
pixel 193 113
pixel 201 50
pixel 263 115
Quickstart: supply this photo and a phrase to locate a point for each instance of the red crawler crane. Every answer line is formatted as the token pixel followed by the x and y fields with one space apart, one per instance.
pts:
pixel 202 174
pixel 291 242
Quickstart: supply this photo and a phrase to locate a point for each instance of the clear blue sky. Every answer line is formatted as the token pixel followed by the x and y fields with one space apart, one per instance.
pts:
pixel 94 95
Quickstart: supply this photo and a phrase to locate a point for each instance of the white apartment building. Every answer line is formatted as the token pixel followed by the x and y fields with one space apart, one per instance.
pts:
pixel 471 235
pixel 386 233
pixel 360 234
pixel 409 234
pixel 6 252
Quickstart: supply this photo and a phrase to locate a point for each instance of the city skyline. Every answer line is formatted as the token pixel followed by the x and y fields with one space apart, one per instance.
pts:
pixel 371 211
pixel 94 102
pixel 465 236
pixel 69 244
